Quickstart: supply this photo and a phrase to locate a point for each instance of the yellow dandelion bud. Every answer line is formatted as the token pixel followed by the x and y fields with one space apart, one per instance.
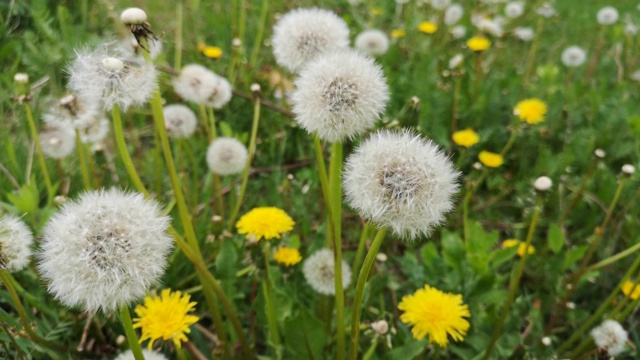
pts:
pixel 212 52
pixel 287 256
pixel 521 247
pixel 478 43
pixel 466 137
pixel 398 33
pixel 427 27
pixel 490 159
pixel 630 286
pixel 376 11
pixel 265 222
pixel 531 110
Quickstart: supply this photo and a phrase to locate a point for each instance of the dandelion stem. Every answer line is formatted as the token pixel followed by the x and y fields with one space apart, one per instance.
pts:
pixel 515 280
pixel 362 281
pixel 124 153
pixel 36 141
pixel 614 258
pixel 83 162
pixel 335 188
pixel 454 104
pixel 324 183
pixel 267 286
pixel 360 251
pixel 217 186
pixel 577 194
pixel 177 62
pixel 264 10
pixel 205 121
pixel 132 338
pixel 531 58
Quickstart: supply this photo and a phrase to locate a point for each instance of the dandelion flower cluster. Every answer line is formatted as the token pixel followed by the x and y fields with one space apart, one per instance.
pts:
pixel 202 86
pixel 179 120
pixel 400 181
pixel 302 34
pixel 287 256
pixel 15 243
pixel 105 249
pixel 319 272
pixel 573 56
pixel 478 43
pixel 631 289
pixel 435 313
pixel 227 156
pixel 372 42
pixel 490 159
pixel 521 247
pixel 165 317
pixel 148 355
pixel 340 95
pixel 57 143
pixel 531 110
pixel 466 137
pixel 265 222
pixel 610 336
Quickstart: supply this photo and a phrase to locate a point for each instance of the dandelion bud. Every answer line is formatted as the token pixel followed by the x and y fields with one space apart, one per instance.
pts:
pixel 546 341
pixel 372 42
pixel 318 270
pixel 15 243
pixel 543 183
pixel 599 153
pixel 255 88
pixel 610 336
pixel 415 101
pixel 628 169
pixel 133 16
pixel 227 156
pixel 179 120
pixel 381 327
pixel 21 78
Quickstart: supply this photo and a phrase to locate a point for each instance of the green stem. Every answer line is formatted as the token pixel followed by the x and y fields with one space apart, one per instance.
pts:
pixel 467 200
pixel 515 281
pixel 205 121
pixel 577 194
pixel 124 153
pixel 324 183
pixel 177 62
pixel 217 185
pixel 258 40
pixel 360 251
pixel 335 188
pixel 362 281
pixel 274 333
pixel 531 58
pixel 83 162
pixel 132 338
pixel 614 258
pixel 510 142
pixel 41 161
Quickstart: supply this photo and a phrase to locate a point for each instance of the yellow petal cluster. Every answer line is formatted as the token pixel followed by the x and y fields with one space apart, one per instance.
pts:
pixel 521 247
pixel 478 43
pixel 466 137
pixel 531 110
pixel 287 256
pixel 398 33
pixel 427 27
pixel 631 289
pixel 490 159
pixel 265 222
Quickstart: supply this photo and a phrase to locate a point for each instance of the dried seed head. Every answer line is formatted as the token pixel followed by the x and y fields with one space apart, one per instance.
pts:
pixel 610 336
pixel 372 42
pixel 57 143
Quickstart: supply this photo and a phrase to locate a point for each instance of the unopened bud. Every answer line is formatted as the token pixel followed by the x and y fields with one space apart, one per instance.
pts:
pixel 380 327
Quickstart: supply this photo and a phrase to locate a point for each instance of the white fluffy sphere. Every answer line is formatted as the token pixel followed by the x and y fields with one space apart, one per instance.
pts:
pixel 15 243
pixel 227 156
pixel 453 14
pixel 179 120
pixel 103 250
pixel 372 42
pixel 574 56
pixel 400 181
pixel 610 336
pixel 94 131
pixel 524 33
pixel 57 143
pixel 608 15
pixel 340 95
pixel 319 273
pixel 440 4
pixel 543 183
pixel 514 9
pixel 458 31
pixel 133 16
pixel 202 86
pixel 628 169
pixel 148 355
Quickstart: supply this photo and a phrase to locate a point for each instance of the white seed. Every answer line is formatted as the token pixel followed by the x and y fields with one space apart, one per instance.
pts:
pixel 133 16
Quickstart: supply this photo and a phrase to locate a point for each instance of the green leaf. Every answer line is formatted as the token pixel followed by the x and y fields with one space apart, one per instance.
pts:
pixel 225 129
pixel 452 249
pixel 429 253
pixel 226 260
pixel 555 238
pixel 573 255
pixel 408 351
pixel 304 336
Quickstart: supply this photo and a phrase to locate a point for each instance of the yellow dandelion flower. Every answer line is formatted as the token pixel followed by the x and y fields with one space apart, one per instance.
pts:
pixel 427 27
pixel 628 286
pixel 287 256
pixel 165 317
pixel 490 159
pixel 521 246
pixel 466 137
pixel 376 11
pixel 212 52
pixel 398 33
pixel 478 43
pixel 435 313
pixel 265 222
pixel 531 110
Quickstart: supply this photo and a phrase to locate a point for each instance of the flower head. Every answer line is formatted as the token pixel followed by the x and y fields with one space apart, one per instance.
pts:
pixel 179 120
pixel 372 42
pixel 212 52
pixel 302 34
pixel 524 33
pixel 72 112
pixel 131 49
pixel 608 15
pixel 453 14
pixel 514 9
pixel 543 183
pixel 95 130
pixel 57 143
pixel 319 272
pixel 546 10
pixel 456 61
pixel 148 355
pixel 435 313
pixel 521 247
pixel 458 31
pixel 104 250
pixel 478 43
pixel 610 336
pixel 490 159
pixel 265 222
pixel 15 243
pixel 439 4
pixel 466 137
pixel 631 289
pixel 227 156
pixel 427 27
pixel 573 56
pixel 398 33
pixel 165 317
pixel 401 181
pixel 340 95
pixel 531 110
pixel 287 256
pixel 202 86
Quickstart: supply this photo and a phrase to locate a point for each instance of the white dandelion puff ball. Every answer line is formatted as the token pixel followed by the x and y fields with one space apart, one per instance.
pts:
pixel 458 31
pixel 514 9
pixel 453 14
pixel 179 120
pixel 401 181
pixel 372 42
pixel 440 4
pixel 57 143
pixel 95 131
pixel 105 77
pixel 200 85
pixel 543 183
pixel 524 33
pixel 630 29
pixel 635 76
pixel 340 95
pixel 302 34
pixel 72 111
pixel 574 56
pixel 148 355
pixel 319 272
pixel 15 243
pixel 103 250
pixel 546 10
pixel 220 94
pixel 610 336
pixel 608 15
pixel 131 49
pixel 456 61
pixel 226 156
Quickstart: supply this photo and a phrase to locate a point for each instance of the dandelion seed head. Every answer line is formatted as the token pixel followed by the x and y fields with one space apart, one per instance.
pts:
pixel 15 243
pixel 372 42
pixel 318 270
pixel 543 183
pixel 546 10
pixel 179 120
pixel 453 14
pixel 381 327
pixel 440 4
pixel 456 61
pixel 458 31
pixel 524 33
pixel 608 15
pixel 72 112
pixel 628 169
pixel 611 336
pixel 57 143
pixel 227 156
pixel 21 78
pixel 133 16
pixel 148 355
pixel 514 9
pixel 202 86
pixel 573 56
pixel 94 131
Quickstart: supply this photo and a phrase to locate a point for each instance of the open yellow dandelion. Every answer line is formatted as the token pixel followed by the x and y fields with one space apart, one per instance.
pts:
pixel 490 159
pixel 478 43
pixel 466 137
pixel 427 27
pixel 631 289
pixel 212 52
pixel 531 110
pixel 287 256
pixel 521 246
pixel 398 33
pixel 265 222
pixel 435 313
pixel 165 317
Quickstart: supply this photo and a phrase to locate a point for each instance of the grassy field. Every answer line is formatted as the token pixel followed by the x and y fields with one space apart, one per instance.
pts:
pixel 542 305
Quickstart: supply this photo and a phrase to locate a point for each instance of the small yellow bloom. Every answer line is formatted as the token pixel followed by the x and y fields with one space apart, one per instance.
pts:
pixel 165 317
pixel 435 313
pixel 398 33
pixel 265 222
pixel 212 52
pixel 531 110
pixel 376 11
pixel 427 27
pixel 628 286
pixel 478 43
pixel 466 137
pixel 521 247
pixel 490 159
pixel 287 256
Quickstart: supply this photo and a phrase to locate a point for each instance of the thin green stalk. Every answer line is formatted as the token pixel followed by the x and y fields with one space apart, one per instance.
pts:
pixel 83 162
pixel 212 124
pixel 612 259
pixel 267 286
pixel 578 194
pixel 177 62
pixel 205 121
pixel 515 281
pixel 124 153
pixel 360 251
pixel 335 188
pixel 324 183
pixel 264 10
pixel 132 338
pixel 467 200
pixel 454 104
pixel 217 184
pixel 510 142
pixel 41 161
pixel 180 354
pixel 362 281
pixel 531 57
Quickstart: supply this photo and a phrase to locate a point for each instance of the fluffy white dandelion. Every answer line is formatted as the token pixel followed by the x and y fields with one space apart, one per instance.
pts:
pixel 221 93
pixel 227 156
pixel 573 56
pixel 440 4
pixel 630 29
pixel 106 77
pixel 72 111
pixel 21 78
pixel 202 86
pixel 628 169
pixel 524 33
pixel 15 243
pixel 608 15
pixel 148 355
pixel 133 16
pixel 94 131
pixel 490 26
pixel 105 249
pixel 318 270
pixel 456 61
pixel 179 120
pixel 302 34
pixel 543 183
pixel 381 327
pixel 546 10
pixel 57 143
pixel 458 31
pixel 401 181
pixel 373 42
pixel 610 336
pixel 635 76
pixel 453 14
pixel 131 49
pixel 340 95
pixel 514 9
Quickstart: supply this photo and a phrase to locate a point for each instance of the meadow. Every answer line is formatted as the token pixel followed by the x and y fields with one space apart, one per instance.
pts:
pixel 331 179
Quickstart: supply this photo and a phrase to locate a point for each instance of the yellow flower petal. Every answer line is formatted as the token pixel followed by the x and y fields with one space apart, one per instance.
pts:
pixel 212 52
pixel 490 159
pixel 531 110
pixel 628 286
pixel 466 137
pixel 398 33
pixel 287 256
pixel 265 222
pixel 427 27
pixel 478 43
